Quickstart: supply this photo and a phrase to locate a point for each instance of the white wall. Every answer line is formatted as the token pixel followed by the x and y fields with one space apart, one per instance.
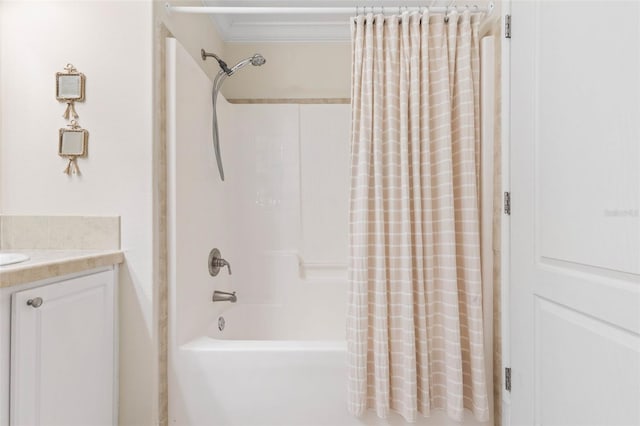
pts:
pixel 111 42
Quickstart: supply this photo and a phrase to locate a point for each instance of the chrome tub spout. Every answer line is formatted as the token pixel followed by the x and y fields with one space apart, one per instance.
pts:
pixel 223 296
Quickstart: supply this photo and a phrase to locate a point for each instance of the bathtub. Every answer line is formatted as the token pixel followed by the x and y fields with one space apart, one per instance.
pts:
pixel 237 377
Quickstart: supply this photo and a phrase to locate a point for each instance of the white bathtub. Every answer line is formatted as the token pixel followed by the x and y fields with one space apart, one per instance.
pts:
pixel 228 382
pixel 264 383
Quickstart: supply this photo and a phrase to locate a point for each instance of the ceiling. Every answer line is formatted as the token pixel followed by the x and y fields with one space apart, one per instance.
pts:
pixel 299 27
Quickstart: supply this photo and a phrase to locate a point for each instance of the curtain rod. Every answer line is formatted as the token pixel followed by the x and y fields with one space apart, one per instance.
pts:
pixel 301 10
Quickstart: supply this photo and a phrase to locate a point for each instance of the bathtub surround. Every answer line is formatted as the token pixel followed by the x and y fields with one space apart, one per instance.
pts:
pixel 414 321
pixel 287 363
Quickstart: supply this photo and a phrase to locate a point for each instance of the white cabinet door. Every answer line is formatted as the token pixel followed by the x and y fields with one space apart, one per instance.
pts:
pixel 575 221
pixel 62 353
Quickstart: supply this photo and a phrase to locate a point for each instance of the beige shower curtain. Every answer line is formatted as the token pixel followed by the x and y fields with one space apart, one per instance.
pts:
pixel 415 332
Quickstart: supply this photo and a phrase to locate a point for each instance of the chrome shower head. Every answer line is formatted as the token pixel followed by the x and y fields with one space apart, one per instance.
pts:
pixel 255 60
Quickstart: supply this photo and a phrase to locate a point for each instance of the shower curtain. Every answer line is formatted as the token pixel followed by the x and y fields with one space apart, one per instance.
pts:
pixel 415 332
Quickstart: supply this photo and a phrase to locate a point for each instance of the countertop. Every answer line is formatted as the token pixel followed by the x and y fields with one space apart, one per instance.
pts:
pixel 44 264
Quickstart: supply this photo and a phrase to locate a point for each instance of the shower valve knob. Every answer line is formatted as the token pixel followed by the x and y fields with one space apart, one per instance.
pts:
pixel 216 262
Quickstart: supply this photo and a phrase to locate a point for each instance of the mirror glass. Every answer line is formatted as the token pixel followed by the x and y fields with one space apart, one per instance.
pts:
pixel 69 86
pixel 72 142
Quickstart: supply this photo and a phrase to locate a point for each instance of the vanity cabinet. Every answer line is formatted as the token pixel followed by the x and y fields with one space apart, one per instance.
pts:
pixel 63 353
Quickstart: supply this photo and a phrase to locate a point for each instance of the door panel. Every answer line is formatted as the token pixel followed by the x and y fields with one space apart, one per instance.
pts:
pixel 588 108
pixel 569 367
pixel 575 222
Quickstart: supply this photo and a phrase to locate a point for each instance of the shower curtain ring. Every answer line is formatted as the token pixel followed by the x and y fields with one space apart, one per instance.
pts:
pixel 449 9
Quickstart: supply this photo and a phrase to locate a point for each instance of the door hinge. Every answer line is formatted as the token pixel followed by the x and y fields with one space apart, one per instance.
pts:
pixel 507 26
pixel 507 203
pixel 507 378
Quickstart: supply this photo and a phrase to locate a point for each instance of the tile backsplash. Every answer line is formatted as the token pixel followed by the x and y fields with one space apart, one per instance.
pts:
pixel 60 232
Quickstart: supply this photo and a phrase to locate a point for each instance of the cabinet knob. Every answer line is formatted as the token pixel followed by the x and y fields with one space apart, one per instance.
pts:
pixel 35 302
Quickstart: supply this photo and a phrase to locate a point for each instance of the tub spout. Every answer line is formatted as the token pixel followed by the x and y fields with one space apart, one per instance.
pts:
pixel 223 296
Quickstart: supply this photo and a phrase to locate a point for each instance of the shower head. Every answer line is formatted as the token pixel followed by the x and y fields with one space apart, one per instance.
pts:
pixel 255 60
pixel 258 60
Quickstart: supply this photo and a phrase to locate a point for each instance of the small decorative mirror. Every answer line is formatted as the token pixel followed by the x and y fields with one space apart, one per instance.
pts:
pixel 72 144
pixel 70 89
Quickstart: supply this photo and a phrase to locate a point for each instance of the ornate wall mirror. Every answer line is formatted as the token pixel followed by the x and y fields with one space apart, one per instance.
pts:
pixel 72 144
pixel 70 88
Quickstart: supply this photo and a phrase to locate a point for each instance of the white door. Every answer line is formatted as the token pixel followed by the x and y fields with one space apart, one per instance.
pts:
pixel 575 222
pixel 62 353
